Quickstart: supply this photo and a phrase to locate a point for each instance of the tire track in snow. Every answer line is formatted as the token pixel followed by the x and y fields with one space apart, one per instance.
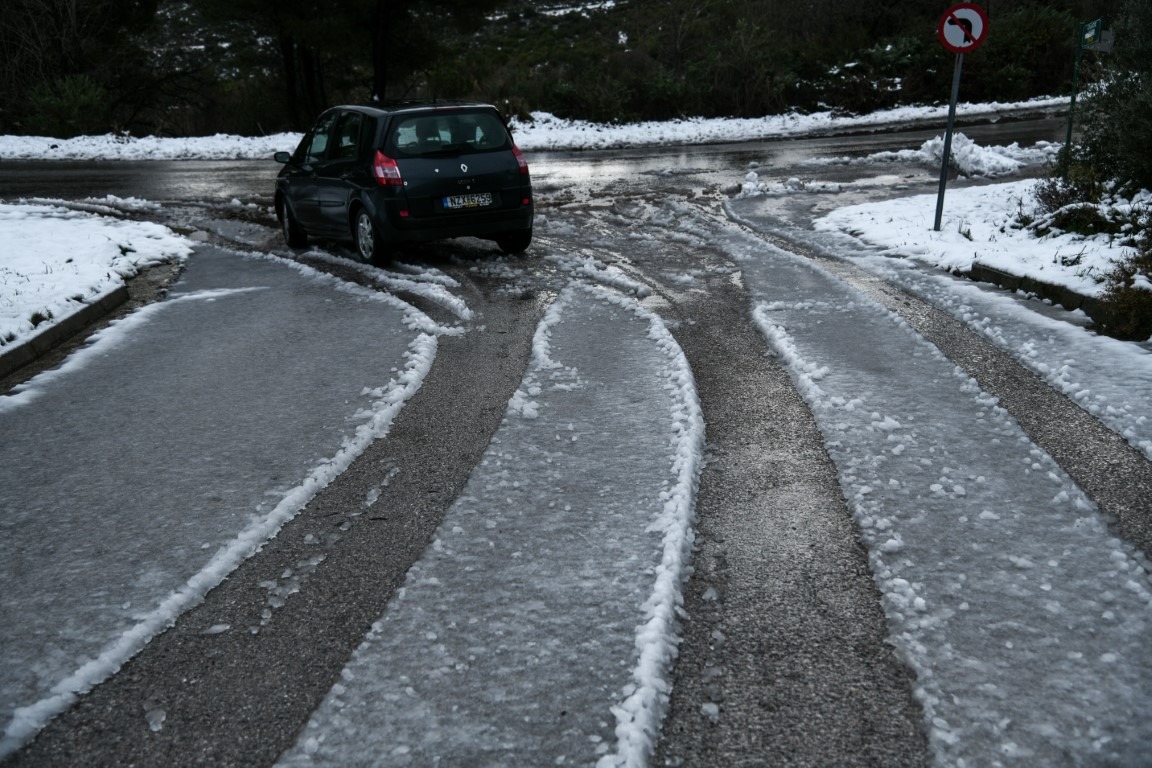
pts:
pixel 296 609
pixel 784 646
pixel 1113 473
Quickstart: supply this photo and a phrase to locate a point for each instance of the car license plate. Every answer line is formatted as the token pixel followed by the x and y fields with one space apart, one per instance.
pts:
pixel 478 200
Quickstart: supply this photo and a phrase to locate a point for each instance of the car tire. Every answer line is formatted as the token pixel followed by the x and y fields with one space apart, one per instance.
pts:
pixel 515 243
pixel 369 244
pixel 294 236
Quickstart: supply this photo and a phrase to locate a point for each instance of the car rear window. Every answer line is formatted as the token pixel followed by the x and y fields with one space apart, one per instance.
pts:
pixel 446 133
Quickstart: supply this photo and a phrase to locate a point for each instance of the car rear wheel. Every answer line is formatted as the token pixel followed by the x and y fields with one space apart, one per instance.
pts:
pixel 515 242
pixel 293 235
pixel 369 245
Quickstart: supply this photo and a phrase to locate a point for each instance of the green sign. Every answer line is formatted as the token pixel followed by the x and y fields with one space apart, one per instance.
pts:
pixel 1090 33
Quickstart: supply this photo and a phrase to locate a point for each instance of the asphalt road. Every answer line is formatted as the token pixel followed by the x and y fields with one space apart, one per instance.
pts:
pixel 784 628
pixel 219 181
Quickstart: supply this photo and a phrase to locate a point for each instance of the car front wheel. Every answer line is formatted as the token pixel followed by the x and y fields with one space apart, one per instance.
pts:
pixel 515 242
pixel 293 235
pixel 368 242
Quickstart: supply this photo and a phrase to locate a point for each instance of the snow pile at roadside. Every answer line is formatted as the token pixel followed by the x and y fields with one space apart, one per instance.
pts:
pixel 544 132
pixel 548 132
pixel 122 147
pixel 56 260
pixel 753 187
pixel 980 226
pixel 969 158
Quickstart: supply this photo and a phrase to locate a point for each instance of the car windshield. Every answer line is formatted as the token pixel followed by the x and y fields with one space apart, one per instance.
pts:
pixel 447 133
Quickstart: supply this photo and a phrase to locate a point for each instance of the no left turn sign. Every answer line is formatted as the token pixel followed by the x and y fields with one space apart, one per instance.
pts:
pixel 963 28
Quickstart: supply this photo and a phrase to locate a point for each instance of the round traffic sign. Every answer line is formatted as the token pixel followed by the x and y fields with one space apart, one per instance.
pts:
pixel 963 28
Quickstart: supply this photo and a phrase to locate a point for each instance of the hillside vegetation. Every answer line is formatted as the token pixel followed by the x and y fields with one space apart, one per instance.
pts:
pixel 188 67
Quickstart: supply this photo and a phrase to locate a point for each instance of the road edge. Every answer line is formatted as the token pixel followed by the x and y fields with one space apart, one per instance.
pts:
pixel 14 358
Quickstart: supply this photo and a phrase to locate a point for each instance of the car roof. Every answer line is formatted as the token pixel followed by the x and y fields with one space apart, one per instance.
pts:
pixel 392 108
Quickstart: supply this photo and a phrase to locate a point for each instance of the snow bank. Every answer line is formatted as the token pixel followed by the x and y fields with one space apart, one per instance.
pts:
pixel 969 158
pixel 548 132
pixel 57 260
pixel 121 147
pixel 981 225
pixel 544 132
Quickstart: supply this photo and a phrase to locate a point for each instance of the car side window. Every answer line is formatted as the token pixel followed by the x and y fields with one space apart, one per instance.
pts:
pixel 347 136
pixel 315 144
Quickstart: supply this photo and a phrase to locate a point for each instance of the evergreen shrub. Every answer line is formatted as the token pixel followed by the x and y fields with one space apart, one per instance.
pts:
pixel 74 105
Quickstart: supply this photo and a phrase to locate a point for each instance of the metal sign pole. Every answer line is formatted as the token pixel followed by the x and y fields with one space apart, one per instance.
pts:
pixel 1091 37
pixel 1075 88
pixel 948 140
pixel 963 28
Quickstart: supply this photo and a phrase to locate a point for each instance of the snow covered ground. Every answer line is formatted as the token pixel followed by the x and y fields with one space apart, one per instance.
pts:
pixel 549 132
pixel 55 260
pixel 517 540
pixel 983 226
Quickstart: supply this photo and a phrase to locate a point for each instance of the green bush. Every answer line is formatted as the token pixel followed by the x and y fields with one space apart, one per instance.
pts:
pixel 71 106
pixel 1071 185
pixel 1127 298
pixel 1116 128
pixel 907 69
pixel 1028 53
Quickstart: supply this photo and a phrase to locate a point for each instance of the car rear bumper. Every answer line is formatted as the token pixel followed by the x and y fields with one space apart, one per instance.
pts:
pixel 396 227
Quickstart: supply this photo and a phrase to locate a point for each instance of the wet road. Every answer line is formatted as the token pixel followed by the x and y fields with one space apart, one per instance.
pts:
pixel 786 654
pixel 253 180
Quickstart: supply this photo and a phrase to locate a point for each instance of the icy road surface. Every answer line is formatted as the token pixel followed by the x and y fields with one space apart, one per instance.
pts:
pixel 1106 377
pixel 1021 614
pixel 177 405
pixel 537 626
pixel 537 629
pixel 1024 618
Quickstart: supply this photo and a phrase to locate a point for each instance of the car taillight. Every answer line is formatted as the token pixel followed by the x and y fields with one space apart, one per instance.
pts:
pixel 520 159
pixel 386 171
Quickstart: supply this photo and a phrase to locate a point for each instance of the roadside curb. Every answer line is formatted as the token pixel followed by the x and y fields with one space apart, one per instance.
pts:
pixel 47 340
pixel 1057 294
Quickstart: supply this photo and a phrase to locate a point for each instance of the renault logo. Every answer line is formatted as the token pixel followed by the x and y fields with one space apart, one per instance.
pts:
pixel 463 168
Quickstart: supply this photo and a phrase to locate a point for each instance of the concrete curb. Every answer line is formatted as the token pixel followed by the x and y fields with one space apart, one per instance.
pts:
pixel 1057 294
pixel 17 357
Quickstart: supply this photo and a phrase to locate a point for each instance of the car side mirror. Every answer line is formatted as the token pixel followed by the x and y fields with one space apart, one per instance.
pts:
pixel 282 157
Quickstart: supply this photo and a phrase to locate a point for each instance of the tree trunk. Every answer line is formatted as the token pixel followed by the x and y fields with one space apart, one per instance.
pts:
pixel 309 88
pixel 383 23
pixel 288 56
